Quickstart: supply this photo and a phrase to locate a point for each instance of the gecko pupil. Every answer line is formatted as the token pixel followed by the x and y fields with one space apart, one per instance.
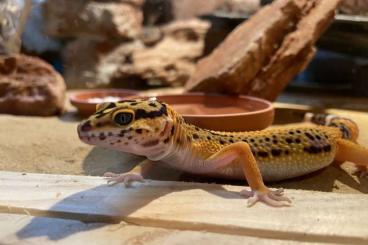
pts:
pixel 123 118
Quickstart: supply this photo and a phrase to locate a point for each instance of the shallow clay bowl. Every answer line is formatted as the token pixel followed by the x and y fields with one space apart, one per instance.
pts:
pixel 222 113
pixel 86 100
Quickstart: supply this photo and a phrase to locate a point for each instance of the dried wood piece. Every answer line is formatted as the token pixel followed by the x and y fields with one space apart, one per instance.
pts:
pixel 260 70
pixel 246 50
pixel 26 229
pixel 314 217
pixel 296 51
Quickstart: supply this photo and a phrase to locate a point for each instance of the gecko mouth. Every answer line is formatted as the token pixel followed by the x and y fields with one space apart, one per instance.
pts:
pixel 96 135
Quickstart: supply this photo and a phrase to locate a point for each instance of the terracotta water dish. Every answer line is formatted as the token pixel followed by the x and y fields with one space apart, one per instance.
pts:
pixel 221 112
pixel 86 100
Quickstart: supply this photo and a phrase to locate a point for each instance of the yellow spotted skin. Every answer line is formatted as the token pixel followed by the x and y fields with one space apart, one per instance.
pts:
pixel 153 129
pixel 281 153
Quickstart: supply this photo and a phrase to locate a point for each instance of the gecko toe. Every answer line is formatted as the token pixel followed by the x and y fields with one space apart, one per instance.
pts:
pixel 126 178
pixel 267 199
pixel 279 198
pixel 279 192
pixel 271 198
pixel 109 174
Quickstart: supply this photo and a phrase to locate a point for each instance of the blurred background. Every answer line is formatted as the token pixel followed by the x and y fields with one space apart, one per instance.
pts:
pixel 143 44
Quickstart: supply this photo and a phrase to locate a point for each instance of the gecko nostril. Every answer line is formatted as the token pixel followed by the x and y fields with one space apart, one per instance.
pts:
pixel 86 126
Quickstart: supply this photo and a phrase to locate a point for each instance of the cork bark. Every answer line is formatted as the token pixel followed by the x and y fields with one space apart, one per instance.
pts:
pixel 262 55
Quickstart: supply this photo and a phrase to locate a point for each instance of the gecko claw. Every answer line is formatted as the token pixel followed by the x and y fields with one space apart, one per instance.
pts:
pixel 272 198
pixel 126 178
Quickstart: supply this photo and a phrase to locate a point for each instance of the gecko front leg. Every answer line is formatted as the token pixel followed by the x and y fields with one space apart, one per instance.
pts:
pixel 259 191
pixel 135 174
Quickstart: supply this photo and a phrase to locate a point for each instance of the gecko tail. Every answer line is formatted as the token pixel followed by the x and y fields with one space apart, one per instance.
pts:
pixel 348 128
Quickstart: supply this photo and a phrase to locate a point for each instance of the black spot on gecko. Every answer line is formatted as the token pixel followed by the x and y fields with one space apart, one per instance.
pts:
pixel 195 136
pixel 276 152
pixel 222 142
pixel 327 148
pixel 209 137
pixel 275 141
pixel 262 154
pixel 309 135
pixel 130 137
pixel 102 136
pixel 231 140
pixel 267 139
pixel 152 104
pixel 140 113
pixel 287 152
pixel 312 149
pixel 122 132
pixel 150 143
pixel 297 140
pixel 139 130
pixel 291 132
pixel 134 103
pixel 246 141
pixel 318 137
pixel 289 140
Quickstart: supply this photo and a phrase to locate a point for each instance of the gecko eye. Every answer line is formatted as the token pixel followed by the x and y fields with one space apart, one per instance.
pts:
pixel 123 118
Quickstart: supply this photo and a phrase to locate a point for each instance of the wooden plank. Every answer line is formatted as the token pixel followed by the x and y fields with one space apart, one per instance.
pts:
pixel 314 216
pixel 24 229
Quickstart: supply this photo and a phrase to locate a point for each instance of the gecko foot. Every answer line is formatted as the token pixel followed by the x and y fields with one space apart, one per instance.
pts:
pixel 126 178
pixel 272 198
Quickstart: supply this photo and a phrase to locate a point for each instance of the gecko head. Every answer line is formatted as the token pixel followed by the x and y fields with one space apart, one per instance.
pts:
pixel 139 126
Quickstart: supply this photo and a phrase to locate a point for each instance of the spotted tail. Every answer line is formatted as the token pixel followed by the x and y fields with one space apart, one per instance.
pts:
pixel 348 128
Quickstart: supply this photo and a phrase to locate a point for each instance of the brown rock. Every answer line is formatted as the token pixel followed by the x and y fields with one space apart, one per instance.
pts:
pixel 91 63
pixel 172 60
pixel 161 56
pixel 120 18
pixel 30 86
pixel 260 57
